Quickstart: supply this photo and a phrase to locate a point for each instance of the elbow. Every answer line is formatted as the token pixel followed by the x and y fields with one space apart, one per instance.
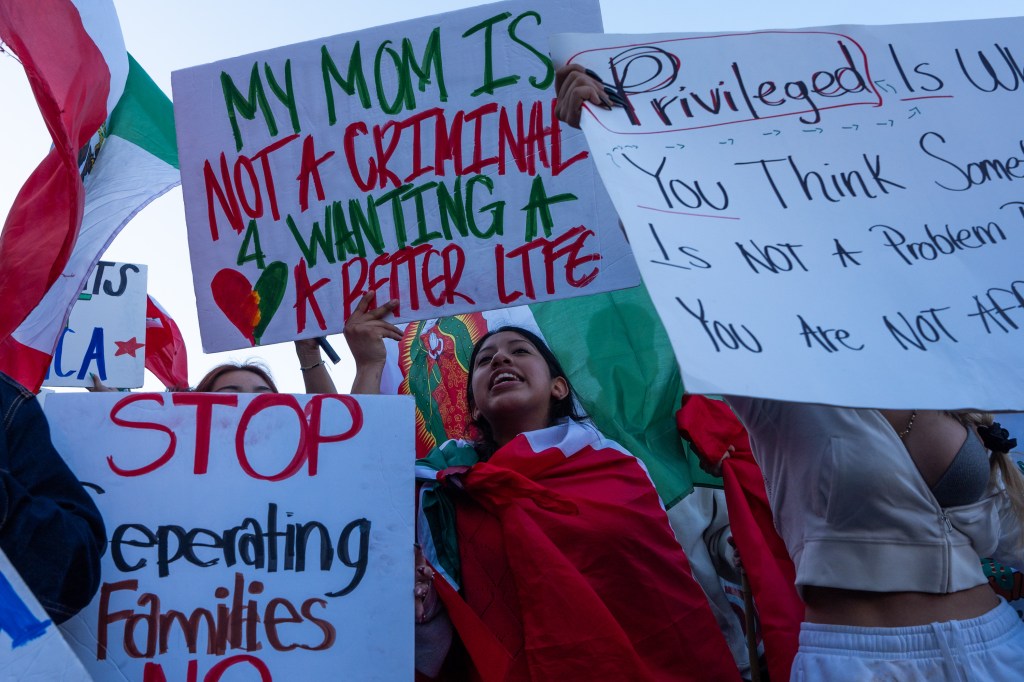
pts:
pixel 83 579
pixel 67 584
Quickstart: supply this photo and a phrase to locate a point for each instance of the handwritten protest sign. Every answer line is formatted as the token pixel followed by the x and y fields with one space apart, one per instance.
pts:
pixel 106 332
pixel 260 535
pixel 420 160
pixel 829 215
pixel 31 646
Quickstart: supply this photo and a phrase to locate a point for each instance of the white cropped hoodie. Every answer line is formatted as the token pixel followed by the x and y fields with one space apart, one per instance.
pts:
pixel 855 513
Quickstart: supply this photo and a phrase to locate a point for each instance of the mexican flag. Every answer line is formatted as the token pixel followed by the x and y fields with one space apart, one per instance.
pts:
pixel 568 518
pixel 614 349
pixel 113 152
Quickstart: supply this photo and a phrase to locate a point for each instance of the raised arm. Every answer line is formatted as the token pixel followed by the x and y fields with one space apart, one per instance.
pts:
pixel 365 332
pixel 315 376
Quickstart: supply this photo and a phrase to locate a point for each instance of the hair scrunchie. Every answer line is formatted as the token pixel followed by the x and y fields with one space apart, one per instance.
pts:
pixel 996 438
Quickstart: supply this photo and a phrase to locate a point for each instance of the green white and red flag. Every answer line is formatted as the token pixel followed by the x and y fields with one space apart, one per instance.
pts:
pixel 613 348
pixel 113 152
pixel 598 580
pixel 712 428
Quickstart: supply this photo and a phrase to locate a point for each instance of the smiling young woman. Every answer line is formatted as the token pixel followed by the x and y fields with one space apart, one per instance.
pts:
pixel 513 386
pixel 546 553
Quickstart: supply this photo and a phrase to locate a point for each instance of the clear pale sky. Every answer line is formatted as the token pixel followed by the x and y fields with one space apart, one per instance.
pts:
pixel 165 36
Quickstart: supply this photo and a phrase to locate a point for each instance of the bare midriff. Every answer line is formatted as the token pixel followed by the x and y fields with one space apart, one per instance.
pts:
pixel 834 606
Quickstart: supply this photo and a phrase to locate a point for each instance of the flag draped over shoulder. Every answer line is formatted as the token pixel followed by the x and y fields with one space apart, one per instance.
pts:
pixel 615 352
pixel 712 428
pixel 114 152
pixel 565 555
pixel 619 359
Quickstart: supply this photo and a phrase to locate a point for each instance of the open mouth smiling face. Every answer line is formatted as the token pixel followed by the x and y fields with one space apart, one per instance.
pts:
pixel 504 377
pixel 512 383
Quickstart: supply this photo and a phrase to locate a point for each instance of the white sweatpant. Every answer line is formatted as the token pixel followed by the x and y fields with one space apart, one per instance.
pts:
pixel 990 647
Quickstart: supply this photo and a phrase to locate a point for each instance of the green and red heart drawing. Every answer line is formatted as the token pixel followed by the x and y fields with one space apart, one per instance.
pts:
pixel 250 308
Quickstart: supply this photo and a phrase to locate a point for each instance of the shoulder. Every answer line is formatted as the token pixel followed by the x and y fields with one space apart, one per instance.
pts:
pixel 572 437
pixel 454 452
pixel 12 397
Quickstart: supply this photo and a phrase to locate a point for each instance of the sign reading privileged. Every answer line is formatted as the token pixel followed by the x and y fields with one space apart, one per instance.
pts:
pixel 421 161
pixel 260 536
pixel 829 215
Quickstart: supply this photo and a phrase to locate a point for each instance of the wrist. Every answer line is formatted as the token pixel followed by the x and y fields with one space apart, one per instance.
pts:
pixel 312 366
pixel 367 380
pixel 370 364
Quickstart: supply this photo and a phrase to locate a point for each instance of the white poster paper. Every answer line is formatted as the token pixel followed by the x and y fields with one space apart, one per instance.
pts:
pixel 31 646
pixel 260 537
pixel 828 215
pixel 106 332
pixel 421 161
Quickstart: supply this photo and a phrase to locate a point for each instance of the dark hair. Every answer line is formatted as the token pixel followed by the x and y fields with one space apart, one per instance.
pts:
pixel 560 409
pixel 206 383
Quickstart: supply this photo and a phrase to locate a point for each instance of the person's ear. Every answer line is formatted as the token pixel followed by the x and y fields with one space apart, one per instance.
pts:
pixel 474 414
pixel 559 388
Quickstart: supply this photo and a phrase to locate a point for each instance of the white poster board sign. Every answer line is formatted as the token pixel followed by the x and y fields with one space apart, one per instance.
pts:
pixel 251 536
pixel 106 332
pixel 421 161
pixel 828 215
pixel 31 646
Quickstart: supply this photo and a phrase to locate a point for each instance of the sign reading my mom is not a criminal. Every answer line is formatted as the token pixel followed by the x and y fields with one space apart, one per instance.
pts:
pixel 263 537
pixel 420 160
pixel 828 215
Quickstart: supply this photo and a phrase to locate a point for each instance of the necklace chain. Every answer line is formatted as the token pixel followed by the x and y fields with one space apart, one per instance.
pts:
pixel 910 424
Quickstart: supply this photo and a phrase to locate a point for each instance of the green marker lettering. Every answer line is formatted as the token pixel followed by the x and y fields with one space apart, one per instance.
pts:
pixel 540 204
pixel 234 101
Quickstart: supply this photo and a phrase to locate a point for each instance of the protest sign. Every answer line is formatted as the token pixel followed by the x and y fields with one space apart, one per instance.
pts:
pixel 826 215
pixel 265 535
pixel 31 646
pixel 421 161
pixel 106 332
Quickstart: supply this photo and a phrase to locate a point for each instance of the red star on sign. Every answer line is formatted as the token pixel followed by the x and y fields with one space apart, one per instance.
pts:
pixel 128 347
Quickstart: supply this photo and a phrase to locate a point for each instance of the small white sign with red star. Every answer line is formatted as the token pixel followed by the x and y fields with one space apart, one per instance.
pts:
pixel 106 333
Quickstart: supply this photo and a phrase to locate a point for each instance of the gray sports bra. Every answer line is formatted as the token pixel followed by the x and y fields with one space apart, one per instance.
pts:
pixel 966 479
